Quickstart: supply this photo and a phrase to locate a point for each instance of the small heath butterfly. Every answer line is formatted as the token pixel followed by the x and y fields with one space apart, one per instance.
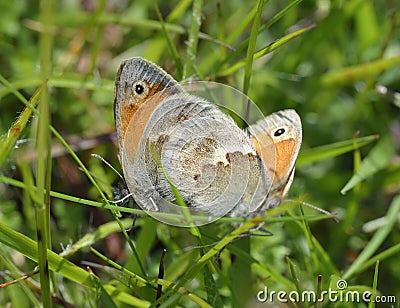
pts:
pixel 176 145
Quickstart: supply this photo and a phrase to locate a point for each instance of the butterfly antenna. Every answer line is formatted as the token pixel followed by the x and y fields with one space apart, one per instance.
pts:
pixel 188 248
pixel 127 196
pixel 109 165
pixel 316 208
pixel 122 199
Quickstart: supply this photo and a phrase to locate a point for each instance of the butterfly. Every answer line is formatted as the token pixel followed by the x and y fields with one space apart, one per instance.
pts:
pixel 175 145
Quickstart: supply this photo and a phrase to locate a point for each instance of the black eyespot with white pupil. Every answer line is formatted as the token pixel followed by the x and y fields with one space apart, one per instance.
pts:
pixel 279 132
pixel 140 89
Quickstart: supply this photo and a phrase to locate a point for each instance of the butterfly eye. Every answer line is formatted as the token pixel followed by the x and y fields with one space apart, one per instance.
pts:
pixel 140 89
pixel 279 132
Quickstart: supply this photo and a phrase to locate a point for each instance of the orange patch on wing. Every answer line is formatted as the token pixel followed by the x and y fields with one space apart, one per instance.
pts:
pixel 131 104
pixel 138 121
pixel 126 114
pixel 284 157
pixel 275 156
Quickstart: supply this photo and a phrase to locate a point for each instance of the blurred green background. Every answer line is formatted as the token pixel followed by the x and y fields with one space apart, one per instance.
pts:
pixel 342 76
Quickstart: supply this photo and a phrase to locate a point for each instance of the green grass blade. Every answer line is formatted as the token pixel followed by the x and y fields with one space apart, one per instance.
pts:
pixel 211 287
pixel 273 212
pixel 14 273
pixel 179 10
pixel 249 17
pixel 91 238
pixel 244 22
pixel 220 245
pixel 279 15
pixel 209 281
pixel 82 18
pixel 376 240
pixel 171 47
pixel 283 40
pixel 98 29
pixel 64 267
pixel 81 165
pixel 251 47
pixel 354 73
pixel 378 159
pixel 331 150
pixel 214 62
pixel 8 143
pixel 105 299
pixel 43 171
pixel 368 30
pixel 221 31
pixel 67 80
pixel 374 285
pixel 193 39
pixel 319 256
pixel 390 252
pixel 268 49
pixel 136 278
pixel 293 274
pixel 28 248
pixel 124 273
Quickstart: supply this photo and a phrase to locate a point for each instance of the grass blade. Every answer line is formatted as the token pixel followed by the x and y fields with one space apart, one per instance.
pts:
pixel 331 150
pixel 68 81
pixel 64 267
pixel 379 158
pixel 392 251
pixel 293 274
pixel 251 47
pixel 124 274
pixel 8 143
pixel 91 238
pixel 171 47
pixel 351 74
pixel 376 240
pixel 268 49
pixel 28 248
pixel 81 165
pixel 247 19
pixel 374 286
pixel 193 39
pixel 43 171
